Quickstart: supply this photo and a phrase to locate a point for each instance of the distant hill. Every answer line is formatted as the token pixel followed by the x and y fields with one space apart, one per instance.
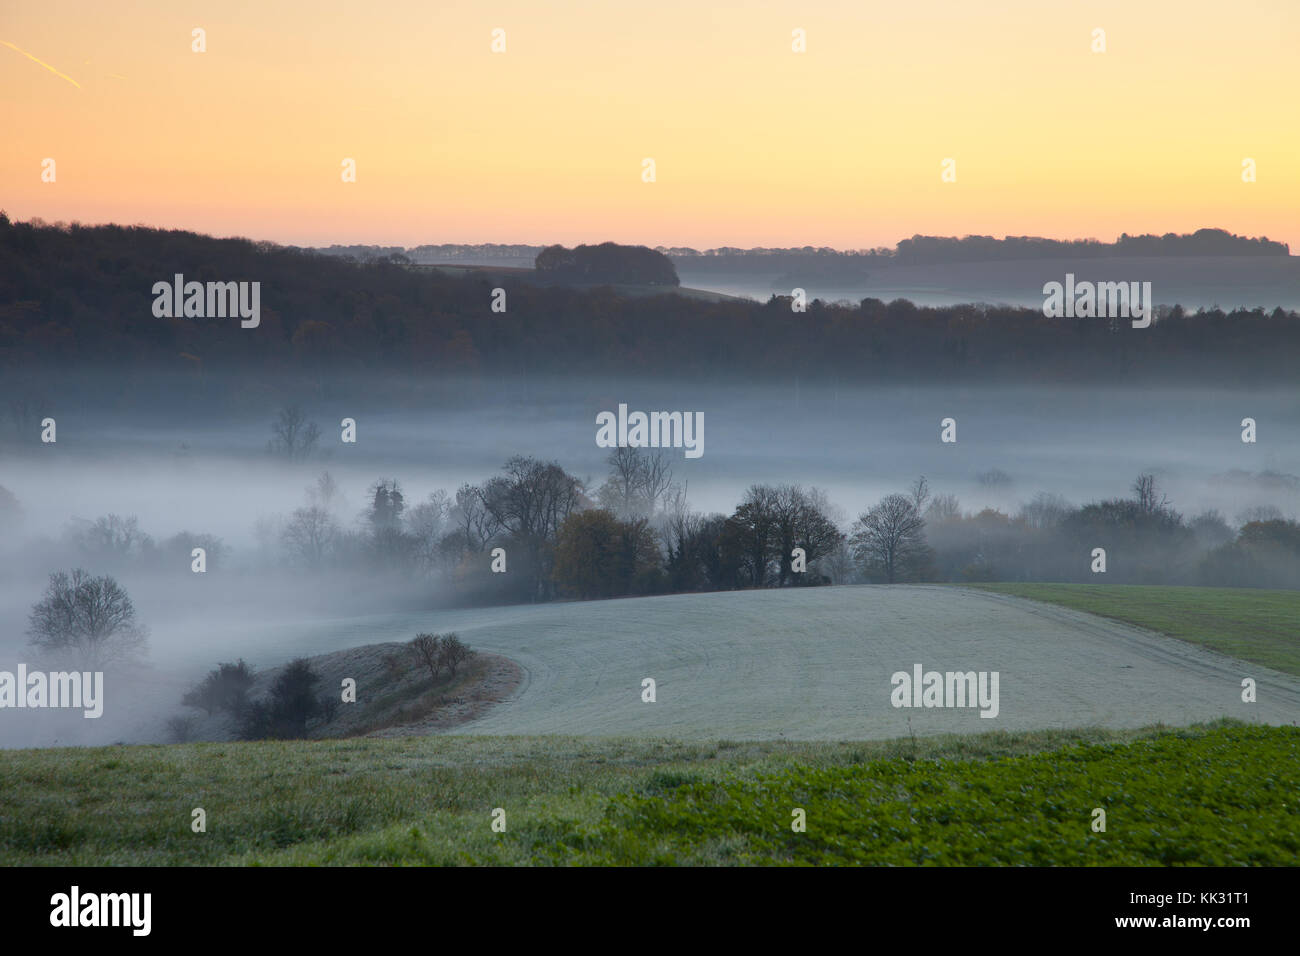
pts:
pixel 1209 267
pixel 918 250
pixel 497 274
pixel 78 297
pixel 1208 282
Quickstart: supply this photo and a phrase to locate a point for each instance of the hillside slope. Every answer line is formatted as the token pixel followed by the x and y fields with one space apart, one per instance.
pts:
pixel 816 664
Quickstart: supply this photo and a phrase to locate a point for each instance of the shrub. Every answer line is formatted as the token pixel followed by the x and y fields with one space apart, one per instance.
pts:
pixel 291 704
pixel 225 688
pixel 436 651
pixel 426 649
pixel 454 652
pixel 329 706
pixel 180 729
pixel 396 669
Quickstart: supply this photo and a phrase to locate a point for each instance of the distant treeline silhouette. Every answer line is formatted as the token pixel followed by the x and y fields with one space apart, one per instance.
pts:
pixel 445 252
pixel 918 250
pixel 637 534
pixel 607 263
pixel 925 250
pixel 936 250
pixel 73 296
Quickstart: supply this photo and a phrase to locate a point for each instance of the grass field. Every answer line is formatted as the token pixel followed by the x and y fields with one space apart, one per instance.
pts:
pixel 815 664
pixel 1223 793
pixel 1253 625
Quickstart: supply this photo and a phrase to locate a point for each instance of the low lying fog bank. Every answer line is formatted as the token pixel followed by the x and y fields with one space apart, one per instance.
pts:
pixel 215 482
pixel 1194 282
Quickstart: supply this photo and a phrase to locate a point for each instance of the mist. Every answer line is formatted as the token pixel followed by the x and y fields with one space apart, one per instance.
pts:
pixel 192 469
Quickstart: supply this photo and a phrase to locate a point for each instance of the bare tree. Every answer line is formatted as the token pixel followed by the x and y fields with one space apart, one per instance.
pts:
pixel 112 536
pixel 622 492
pixel 530 502
pixel 798 522
pixel 637 482
pixel 890 537
pixel 180 548
pixel 454 652
pixel 752 531
pixel 180 729
pixel 943 508
pixel 656 479
pixel 309 535
pixel 474 523
pixel 838 564
pixel 436 651
pixel 325 492
pixel 427 523
pixel 1256 513
pixel 995 478
pixel 427 649
pixel 676 502
pixel 1151 500
pixel 920 493
pixel 89 619
pixel 292 436
pixel 677 524
pixel 1045 511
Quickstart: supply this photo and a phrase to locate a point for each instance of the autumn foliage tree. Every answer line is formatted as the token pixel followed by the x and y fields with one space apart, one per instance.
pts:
pixel 597 555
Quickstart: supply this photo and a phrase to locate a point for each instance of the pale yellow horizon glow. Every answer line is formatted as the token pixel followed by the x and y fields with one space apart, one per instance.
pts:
pixel 754 145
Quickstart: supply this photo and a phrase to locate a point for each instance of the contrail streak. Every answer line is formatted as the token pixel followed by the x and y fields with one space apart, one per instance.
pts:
pixel 42 63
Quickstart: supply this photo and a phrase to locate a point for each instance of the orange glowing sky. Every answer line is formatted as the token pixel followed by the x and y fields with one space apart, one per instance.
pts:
pixel 754 144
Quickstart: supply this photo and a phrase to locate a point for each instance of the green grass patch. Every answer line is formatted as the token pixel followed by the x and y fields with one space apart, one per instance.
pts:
pixel 1228 797
pixel 1253 625
pixel 1222 793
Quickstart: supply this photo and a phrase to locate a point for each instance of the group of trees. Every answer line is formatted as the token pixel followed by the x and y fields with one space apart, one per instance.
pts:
pixel 916 536
pixel 634 535
pixel 755 545
pixel 637 535
pixel 639 483
pixel 439 652
pixel 115 541
pixel 533 532
pixel 289 708
pixel 78 295
pixel 1146 541
pixel 606 264
pixel 889 539
pixel 914 251
pixel 519 510
pixel 293 438
pixel 224 689
pixel 537 523
pixel 927 250
pixel 602 555
pixel 599 555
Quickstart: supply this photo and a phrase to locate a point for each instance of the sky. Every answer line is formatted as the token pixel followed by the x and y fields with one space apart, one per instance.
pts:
pixel 753 144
